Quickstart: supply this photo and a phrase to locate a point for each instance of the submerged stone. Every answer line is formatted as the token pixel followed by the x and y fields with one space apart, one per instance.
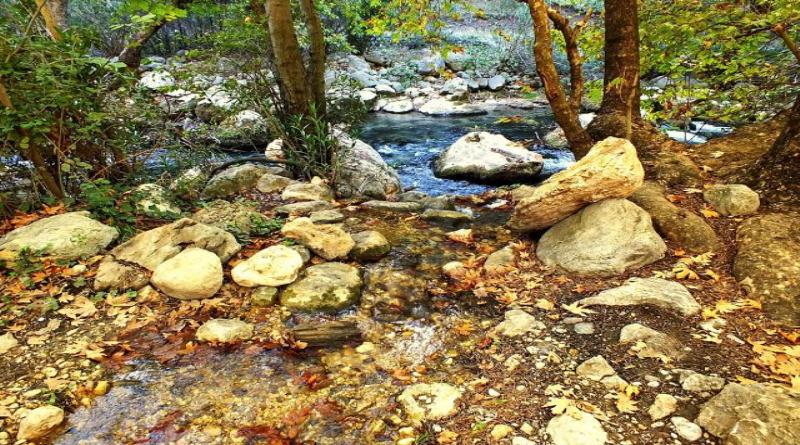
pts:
pixel 326 287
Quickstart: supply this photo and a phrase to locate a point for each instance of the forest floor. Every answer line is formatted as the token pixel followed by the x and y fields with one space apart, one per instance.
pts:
pixel 128 369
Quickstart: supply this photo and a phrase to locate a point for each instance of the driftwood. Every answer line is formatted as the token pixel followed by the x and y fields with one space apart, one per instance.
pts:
pixel 325 334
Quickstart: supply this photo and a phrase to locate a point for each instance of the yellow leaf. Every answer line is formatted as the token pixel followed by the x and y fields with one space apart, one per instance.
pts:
pixel 82 307
pixel 625 404
pixel 545 304
pixel 577 309
pixel 708 213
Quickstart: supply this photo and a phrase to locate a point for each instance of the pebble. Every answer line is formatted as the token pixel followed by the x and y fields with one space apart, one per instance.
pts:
pixel 686 429
pixel 584 328
pixel 501 431
pixel 519 440
pixel 493 392
pixel 662 406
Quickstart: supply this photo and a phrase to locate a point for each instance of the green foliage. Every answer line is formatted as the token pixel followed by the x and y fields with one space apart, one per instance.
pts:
pixel 721 59
pixel 108 204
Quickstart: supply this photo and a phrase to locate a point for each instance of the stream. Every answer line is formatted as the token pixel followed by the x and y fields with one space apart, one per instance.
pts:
pixel 411 142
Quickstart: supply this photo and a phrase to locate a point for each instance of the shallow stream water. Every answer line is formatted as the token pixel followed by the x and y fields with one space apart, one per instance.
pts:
pixel 411 142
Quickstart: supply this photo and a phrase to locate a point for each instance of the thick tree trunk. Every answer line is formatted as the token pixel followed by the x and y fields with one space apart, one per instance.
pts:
pixel 50 20
pixel 564 110
pixel 288 58
pixel 59 10
pixel 621 75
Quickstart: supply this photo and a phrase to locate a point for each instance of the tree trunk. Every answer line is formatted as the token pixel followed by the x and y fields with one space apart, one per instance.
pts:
pixel 50 20
pixel 564 111
pixel 131 56
pixel 316 63
pixel 621 75
pixel 59 10
pixel 294 86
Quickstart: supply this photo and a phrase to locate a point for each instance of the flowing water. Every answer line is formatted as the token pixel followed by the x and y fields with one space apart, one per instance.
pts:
pixel 411 142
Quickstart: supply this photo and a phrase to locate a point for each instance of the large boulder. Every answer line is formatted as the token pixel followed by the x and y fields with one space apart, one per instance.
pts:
pixel 768 263
pixel 316 190
pixel 363 172
pixel 151 248
pixel 606 238
pixel 192 274
pixel 732 199
pixel 66 236
pixel 488 157
pixel 247 128
pixel 370 245
pixel 611 169
pixel 326 287
pixel 456 89
pixel 326 240
pixel 681 226
pixel 154 201
pixel 443 107
pixel 398 106
pixel 274 266
pixel 757 414
pixel 157 80
pixel 234 179
pixel 665 294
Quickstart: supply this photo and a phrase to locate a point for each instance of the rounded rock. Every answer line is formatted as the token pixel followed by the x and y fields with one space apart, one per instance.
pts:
pixel 192 274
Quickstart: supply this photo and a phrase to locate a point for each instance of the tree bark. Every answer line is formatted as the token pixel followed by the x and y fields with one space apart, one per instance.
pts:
pixel 131 56
pixel 621 72
pixel 59 9
pixel 50 20
pixel 564 110
pixel 316 64
pixel 288 58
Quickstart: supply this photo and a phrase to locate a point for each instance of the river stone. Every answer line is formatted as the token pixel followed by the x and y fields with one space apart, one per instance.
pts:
pixel 66 236
pixel 695 382
pixel 732 199
pixel 189 184
pixel 686 229
pixel 567 430
pixel 606 238
pixel 274 151
pixel 500 261
pixel 157 80
pixel 445 216
pixel 274 266
pixel 595 368
pixel 151 248
pixel 517 322
pixel 390 206
pixel 444 107
pixel 263 296
pixel 488 157
pixel 398 106
pixel 665 294
pixel 40 422
pixel 234 179
pixel 663 406
pixel 326 240
pixel 611 169
pixel 193 274
pixel 115 275
pixel 303 208
pixel 326 287
pixel 7 342
pixel 429 401
pixel 327 217
pixel 686 429
pixel 649 343
pixel 430 63
pixel 362 171
pixel 370 245
pixel 234 217
pixel 456 89
pixel 768 264
pixel 497 82
pixel 556 139
pixel 221 330
pixel 316 190
pixel 757 414
pixel 271 183
pixel 246 128
pixel 368 97
pixel 154 201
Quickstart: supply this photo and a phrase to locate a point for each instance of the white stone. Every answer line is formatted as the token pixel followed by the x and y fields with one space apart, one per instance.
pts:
pixel 663 406
pixel 220 330
pixel 488 157
pixel 274 266
pixel 157 80
pixel 686 429
pixel 429 401
pixel 66 236
pixel 665 294
pixel 517 322
pixel 595 368
pixel 192 274
pixel 567 430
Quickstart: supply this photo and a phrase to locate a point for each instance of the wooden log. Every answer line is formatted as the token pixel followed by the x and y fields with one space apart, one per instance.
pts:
pixel 326 334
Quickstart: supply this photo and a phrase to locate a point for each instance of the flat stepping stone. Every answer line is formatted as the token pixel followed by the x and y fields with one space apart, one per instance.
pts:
pixel 669 295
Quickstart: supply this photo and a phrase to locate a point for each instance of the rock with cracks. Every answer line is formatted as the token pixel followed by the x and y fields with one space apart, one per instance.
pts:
pixel 665 294
pixel 611 169
pixel 757 414
pixel 40 422
pixel 326 287
pixel 363 172
pixel 193 274
pixel 605 239
pixel 326 240
pixel 487 157
pixel 767 264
